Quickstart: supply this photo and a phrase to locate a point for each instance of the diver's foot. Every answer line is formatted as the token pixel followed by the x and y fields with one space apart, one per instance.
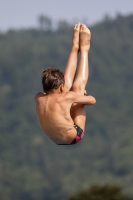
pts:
pixel 75 39
pixel 84 38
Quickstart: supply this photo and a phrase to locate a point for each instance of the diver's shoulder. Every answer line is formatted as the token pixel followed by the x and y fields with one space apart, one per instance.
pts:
pixel 39 95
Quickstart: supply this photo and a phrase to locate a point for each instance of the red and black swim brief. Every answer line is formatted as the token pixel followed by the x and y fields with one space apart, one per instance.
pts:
pixel 79 136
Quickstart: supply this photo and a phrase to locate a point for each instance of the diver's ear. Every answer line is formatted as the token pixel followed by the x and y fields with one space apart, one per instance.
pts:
pixel 62 88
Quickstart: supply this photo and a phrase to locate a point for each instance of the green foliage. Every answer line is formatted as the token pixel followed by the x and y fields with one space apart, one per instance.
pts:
pixel 31 166
pixel 105 192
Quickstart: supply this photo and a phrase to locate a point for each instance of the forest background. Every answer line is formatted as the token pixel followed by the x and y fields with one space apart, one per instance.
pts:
pixel 31 166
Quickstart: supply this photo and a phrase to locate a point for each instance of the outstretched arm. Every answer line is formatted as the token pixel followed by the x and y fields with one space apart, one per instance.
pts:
pixel 75 98
pixel 86 100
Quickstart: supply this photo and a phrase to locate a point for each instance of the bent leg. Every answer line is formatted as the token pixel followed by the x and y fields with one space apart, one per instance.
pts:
pixel 78 111
pixel 71 65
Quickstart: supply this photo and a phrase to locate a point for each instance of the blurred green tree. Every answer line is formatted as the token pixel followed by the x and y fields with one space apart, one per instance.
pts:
pixel 63 25
pixel 45 23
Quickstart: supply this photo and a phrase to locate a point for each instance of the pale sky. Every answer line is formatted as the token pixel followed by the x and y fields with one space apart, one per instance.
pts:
pixel 16 14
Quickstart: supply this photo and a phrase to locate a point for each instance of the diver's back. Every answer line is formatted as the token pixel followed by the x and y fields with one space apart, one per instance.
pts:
pixel 54 116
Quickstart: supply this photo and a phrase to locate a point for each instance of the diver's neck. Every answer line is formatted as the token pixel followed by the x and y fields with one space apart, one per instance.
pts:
pixel 53 92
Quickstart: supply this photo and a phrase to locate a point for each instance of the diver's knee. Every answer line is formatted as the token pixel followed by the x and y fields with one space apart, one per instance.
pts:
pixel 78 88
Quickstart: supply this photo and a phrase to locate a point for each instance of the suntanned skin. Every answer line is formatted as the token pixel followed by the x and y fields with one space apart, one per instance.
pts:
pixel 58 110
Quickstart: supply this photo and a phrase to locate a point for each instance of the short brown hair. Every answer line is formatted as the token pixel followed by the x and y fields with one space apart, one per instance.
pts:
pixel 52 78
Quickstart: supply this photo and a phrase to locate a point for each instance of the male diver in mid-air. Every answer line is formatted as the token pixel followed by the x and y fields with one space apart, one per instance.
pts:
pixel 61 108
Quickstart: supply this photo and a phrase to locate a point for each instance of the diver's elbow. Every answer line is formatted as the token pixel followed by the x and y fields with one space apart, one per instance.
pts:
pixel 94 100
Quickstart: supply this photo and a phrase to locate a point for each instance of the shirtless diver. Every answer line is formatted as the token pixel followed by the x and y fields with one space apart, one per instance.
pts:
pixel 61 108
